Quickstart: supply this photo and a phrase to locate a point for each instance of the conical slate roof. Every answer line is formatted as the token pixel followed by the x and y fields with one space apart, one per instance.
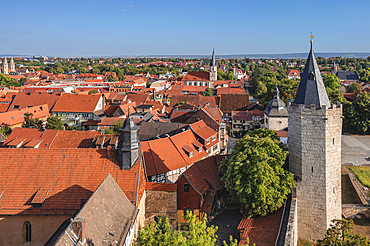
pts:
pixel 213 61
pixel 276 107
pixel 311 89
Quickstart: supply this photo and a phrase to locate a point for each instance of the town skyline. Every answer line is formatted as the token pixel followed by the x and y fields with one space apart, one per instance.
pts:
pixel 127 28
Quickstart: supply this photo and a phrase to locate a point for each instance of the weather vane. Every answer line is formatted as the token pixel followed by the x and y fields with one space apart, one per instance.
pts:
pixel 312 36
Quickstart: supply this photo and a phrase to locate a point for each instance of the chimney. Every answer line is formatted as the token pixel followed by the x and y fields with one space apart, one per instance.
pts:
pixel 78 228
pixel 129 144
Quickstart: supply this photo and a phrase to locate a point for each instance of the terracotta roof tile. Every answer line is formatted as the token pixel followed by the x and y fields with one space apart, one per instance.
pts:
pixel 161 186
pixel 77 103
pixel 70 176
pixel 196 76
pixel 31 133
pixel 17 117
pixel 202 130
pixel 28 99
pixel 74 139
pixel 233 102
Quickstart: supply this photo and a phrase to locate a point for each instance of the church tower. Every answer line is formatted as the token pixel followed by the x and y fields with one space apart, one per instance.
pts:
pixel 315 129
pixel 334 69
pixel 213 70
pixel 12 65
pixel 5 67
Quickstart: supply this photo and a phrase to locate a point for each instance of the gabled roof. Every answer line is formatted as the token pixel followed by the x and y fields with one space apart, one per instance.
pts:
pixel 138 98
pixel 195 100
pixel 74 139
pixel 32 134
pixel 17 117
pixel 202 130
pixel 233 102
pixel 347 75
pixel 214 112
pixel 150 130
pixel 242 115
pixel 77 103
pixel 29 99
pixel 196 76
pixel 107 210
pixel 311 89
pixel 70 177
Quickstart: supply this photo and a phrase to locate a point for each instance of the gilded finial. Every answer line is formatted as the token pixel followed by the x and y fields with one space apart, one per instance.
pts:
pixel 311 36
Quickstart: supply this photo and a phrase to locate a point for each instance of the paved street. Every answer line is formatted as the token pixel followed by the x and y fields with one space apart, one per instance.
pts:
pixel 227 222
pixel 230 144
pixel 355 149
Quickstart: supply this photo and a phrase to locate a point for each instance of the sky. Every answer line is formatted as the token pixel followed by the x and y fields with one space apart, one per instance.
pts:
pixel 77 28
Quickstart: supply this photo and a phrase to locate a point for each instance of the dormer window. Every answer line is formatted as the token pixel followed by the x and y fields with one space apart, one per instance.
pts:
pixel 213 138
pixel 208 141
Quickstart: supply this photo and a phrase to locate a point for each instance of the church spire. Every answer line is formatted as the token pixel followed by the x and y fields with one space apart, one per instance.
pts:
pixel 311 89
pixel 213 61
pixel 276 93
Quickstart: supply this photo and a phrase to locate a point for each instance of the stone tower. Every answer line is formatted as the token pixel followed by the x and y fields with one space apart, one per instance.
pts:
pixel 5 67
pixel 12 65
pixel 129 144
pixel 213 70
pixel 334 69
pixel 276 115
pixel 315 128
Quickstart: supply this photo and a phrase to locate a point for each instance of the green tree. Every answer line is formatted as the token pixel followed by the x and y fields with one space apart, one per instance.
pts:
pixel 84 70
pixel 7 81
pixel 254 173
pixel 339 234
pixel 29 121
pixel 54 122
pixel 22 81
pixel 354 87
pixel 93 91
pixel 208 92
pixel 5 130
pixel 95 70
pixel 357 115
pixel 111 78
pixel 159 233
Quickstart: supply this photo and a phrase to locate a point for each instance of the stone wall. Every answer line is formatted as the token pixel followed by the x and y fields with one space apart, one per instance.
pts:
pixel 350 210
pixel 291 236
pixel 358 188
pixel 12 230
pixel 315 160
pixel 277 123
pixel 164 202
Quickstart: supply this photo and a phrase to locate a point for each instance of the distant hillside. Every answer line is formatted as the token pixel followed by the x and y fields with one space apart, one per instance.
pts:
pixel 252 56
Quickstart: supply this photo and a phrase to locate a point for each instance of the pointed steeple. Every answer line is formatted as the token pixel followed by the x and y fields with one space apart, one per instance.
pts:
pixel 213 61
pixel 276 93
pixel 311 89
pixel 12 65
pixel 5 60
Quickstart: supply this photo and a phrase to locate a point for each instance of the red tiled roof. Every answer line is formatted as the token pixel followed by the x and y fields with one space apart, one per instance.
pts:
pixel 138 98
pixel 208 200
pixel 215 113
pixel 16 117
pixel 196 76
pixel 261 230
pixel 233 102
pixel 77 103
pixel 69 177
pixel 195 100
pixel 74 139
pixel 161 187
pixel 29 99
pixel 202 130
pixel 242 115
pixel 228 90
pixel 283 134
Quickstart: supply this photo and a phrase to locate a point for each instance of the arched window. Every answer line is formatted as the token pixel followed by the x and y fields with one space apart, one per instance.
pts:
pixel 27 230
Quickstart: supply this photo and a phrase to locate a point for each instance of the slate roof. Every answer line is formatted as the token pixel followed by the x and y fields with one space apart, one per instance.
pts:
pixel 262 231
pixel 213 60
pixel 233 102
pixel 27 99
pixel 77 103
pixel 276 107
pixel 311 89
pixel 149 130
pixel 108 216
pixel 347 75
pixel 70 177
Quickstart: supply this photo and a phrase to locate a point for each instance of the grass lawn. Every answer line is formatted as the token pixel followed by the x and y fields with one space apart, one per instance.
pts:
pixel 363 174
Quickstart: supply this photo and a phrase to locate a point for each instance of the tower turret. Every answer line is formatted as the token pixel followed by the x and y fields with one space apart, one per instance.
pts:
pixel 315 128
pixel 213 70
pixel 129 144
pixel 12 65
pixel 5 67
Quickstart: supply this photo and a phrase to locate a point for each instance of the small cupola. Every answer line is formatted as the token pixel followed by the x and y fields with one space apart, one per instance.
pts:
pixel 129 144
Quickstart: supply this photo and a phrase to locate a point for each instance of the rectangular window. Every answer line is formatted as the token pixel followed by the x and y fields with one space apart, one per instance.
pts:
pixel 186 187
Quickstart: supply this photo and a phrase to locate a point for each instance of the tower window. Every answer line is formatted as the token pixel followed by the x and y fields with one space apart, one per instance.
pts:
pixel 311 169
pixel 186 187
pixel 333 141
pixel 27 230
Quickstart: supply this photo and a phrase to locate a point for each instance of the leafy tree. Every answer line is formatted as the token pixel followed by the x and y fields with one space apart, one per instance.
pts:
pixel 5 130
pixel 93 91
pixel 29 121
pixel 84 70
pixel 54 122
pixel 95 70
pixel 254 173
pixel 208 92
pixel 354 87
pixel 357 115
pixel 160 233
pixel 7 81
pixel 340 234
pixel 22 81
pixel 111 78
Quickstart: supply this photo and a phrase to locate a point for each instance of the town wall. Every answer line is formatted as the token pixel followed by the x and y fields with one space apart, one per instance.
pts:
pixel 12 231
pixel 315 160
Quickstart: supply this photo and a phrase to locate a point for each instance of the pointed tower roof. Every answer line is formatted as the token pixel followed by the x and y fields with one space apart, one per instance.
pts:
pixel 213 61
pixel 311 89
pixel 11 60
pixel 5 61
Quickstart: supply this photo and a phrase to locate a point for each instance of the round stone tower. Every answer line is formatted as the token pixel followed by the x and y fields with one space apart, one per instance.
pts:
pixel 315 129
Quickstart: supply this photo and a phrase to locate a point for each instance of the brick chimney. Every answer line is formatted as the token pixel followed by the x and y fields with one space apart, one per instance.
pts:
pixel 129 144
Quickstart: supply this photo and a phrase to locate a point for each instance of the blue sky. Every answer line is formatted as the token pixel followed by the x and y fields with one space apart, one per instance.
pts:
pixel 161 27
